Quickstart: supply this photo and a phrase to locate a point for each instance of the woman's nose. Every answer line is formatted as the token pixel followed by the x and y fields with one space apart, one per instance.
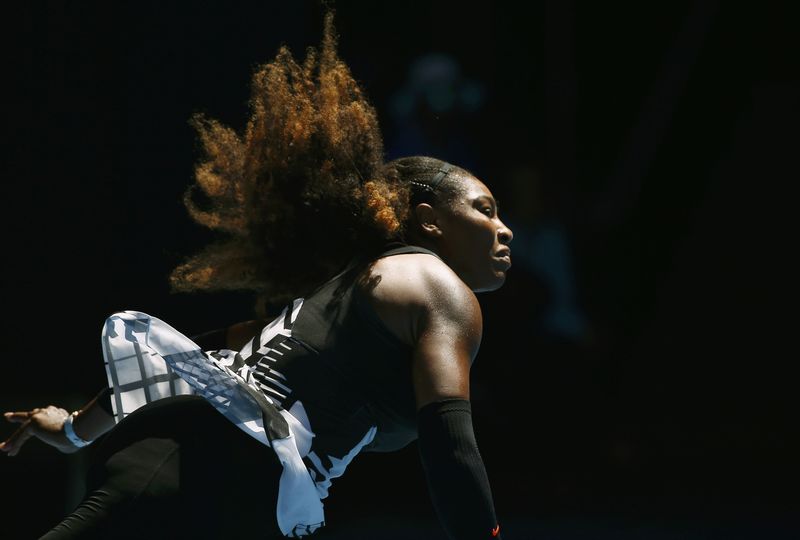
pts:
pixel 506 235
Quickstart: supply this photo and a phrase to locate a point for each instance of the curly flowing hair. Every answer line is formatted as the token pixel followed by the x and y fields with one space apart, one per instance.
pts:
pixel 301 191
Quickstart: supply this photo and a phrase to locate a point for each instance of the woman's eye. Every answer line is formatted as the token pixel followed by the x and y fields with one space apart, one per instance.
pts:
pixel 487 211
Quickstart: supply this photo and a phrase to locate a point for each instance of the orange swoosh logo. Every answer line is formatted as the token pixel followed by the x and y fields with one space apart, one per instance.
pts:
pixel 496 531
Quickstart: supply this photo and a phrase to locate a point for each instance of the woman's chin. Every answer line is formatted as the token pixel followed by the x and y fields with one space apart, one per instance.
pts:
pixel 493 284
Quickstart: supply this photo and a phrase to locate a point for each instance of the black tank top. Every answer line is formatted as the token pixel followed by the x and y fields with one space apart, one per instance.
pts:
pixel 351 375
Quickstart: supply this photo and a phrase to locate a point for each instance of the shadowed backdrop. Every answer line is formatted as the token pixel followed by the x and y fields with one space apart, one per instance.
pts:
pixel 635 378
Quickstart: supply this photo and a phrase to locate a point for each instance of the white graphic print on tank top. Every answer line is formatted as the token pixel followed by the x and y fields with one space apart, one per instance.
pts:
pixel 257 363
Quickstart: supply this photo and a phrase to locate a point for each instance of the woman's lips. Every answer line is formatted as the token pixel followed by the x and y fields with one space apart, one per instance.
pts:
pixel 506 259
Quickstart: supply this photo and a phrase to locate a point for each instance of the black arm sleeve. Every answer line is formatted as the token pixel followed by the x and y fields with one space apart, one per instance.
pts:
pixel 454 469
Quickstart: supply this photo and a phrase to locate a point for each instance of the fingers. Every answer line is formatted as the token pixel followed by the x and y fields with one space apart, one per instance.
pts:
pixel 19 417
pixel 17 439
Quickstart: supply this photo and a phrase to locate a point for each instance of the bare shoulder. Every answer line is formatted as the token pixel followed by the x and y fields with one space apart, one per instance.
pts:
pixel 413 290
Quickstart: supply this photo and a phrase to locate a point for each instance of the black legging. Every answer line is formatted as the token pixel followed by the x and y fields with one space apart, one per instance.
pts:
pixel 176 468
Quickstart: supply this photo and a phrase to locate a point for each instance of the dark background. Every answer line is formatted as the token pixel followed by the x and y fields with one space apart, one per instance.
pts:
pixel 635 379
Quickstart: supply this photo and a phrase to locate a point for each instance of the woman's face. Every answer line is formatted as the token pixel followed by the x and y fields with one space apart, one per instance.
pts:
pixel 474 242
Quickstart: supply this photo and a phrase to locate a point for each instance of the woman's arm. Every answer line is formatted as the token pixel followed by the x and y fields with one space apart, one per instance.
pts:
pixel 47 425
pixel 239 334
pixel 448 330
pixel 233 337
pixel 93 420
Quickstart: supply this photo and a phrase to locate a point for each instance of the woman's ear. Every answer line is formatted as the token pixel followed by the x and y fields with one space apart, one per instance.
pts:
pixel 428 220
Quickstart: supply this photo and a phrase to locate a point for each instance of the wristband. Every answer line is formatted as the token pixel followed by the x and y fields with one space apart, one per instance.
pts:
pixel 70 432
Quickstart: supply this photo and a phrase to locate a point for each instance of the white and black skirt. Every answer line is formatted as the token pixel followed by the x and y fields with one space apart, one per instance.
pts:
pixel 146 360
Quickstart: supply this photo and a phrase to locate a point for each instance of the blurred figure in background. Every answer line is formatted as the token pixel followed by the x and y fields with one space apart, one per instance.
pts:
pixel 431 113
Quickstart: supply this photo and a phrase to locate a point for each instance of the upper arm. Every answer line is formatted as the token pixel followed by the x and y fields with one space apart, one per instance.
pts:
pixel 240 333
pixel 448 328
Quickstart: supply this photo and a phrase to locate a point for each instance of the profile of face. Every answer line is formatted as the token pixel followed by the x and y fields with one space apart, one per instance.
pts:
pixel 469 235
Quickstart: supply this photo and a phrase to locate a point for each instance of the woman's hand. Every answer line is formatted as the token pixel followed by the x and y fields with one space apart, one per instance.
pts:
pixel 46 424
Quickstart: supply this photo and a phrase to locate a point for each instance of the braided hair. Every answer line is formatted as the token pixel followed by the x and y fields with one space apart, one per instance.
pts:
pixel 429 180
